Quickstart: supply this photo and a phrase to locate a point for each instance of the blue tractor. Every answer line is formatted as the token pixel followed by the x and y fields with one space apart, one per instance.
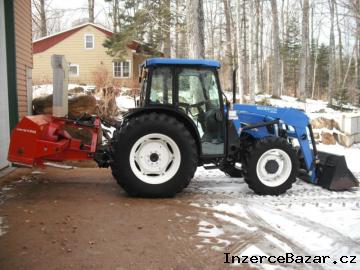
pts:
pixel 183 120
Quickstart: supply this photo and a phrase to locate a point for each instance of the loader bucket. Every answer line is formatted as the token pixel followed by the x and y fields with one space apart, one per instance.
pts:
pixel 333 173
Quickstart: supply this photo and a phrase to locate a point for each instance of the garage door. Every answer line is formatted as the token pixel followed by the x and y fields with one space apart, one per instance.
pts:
pixel 4 104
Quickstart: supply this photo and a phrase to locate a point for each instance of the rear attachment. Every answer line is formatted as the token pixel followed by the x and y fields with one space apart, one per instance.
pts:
pixel 333 173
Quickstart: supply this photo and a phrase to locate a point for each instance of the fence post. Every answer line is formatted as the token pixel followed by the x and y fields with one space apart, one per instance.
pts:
pixel 60 85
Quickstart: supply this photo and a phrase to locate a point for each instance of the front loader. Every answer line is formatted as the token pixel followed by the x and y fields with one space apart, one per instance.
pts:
pixel 183 121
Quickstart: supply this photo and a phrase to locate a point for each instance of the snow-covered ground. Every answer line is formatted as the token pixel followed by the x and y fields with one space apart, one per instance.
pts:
pixel 307 220
pixel 47 89
pixel 125 102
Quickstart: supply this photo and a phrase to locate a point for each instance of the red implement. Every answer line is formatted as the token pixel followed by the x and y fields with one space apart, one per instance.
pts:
pixel 41 138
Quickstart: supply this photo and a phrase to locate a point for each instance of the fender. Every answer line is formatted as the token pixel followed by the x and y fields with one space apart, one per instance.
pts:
pixel 169 110
pixel 247 118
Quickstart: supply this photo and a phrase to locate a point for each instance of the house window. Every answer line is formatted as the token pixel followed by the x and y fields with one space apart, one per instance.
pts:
pixel 121 69
pixel 89 41
pixel 73 70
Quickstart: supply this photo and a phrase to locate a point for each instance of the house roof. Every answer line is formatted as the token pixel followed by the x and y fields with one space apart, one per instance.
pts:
pixel 179 61
pixel 42 44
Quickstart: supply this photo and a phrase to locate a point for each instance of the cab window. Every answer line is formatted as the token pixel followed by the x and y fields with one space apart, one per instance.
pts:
pixel 199 98
pixel 161 86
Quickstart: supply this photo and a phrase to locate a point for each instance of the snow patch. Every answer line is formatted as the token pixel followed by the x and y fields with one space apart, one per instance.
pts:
pixel 235 221
pixel 3 227
pixel 125 102
pixel 207 229
pixel 47 89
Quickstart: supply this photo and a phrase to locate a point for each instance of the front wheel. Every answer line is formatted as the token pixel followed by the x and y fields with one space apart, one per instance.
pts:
pixel 270 166
pixel 154 156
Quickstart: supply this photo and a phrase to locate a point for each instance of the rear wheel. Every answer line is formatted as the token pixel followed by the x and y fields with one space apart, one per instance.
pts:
pixel 270 166
pixel 154 156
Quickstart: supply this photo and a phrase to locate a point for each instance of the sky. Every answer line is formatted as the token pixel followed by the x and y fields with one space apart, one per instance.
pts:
pixel 77 9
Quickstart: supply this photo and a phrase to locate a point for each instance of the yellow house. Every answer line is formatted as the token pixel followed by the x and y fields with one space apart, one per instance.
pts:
pixel 88 61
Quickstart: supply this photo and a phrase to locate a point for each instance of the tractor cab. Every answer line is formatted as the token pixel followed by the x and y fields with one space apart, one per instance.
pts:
pixel 192 88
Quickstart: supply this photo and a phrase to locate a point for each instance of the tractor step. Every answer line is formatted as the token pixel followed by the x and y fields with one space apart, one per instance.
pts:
pixel 210 167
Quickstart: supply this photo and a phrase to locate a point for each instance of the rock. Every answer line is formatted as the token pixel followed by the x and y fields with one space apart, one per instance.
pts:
pixel 327 138
pixel 316 135
pixel 343 139
pixel 322 122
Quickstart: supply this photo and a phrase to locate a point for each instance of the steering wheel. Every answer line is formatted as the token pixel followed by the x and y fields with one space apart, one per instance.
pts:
pixel 195 105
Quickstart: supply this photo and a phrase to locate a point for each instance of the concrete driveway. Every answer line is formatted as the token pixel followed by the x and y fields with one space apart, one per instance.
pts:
pixel 81 219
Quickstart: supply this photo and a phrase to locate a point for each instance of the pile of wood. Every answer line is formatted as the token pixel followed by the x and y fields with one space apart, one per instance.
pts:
pixel 78 105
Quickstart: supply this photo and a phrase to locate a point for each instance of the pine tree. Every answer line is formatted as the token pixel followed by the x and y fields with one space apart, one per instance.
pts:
pixel 144 21
pixel 291 52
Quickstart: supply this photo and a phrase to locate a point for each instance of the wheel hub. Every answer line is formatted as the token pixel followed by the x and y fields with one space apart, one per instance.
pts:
pixel 274 167
pixel 155 158
pixel 271 166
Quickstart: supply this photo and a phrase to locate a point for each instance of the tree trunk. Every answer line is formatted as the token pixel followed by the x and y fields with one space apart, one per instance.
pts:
pixel 228 53
pixel 358 49
pixel 282 39
pixel 276 50
pixel 315 65
pixel 239 81
pixel 332 75
pixel 177 29
pixel 115 15
pixel 167 28
pixel 304 50
pixel 91 10
pixel 252 54
pixel 244 58
pixel 261 73
pixel 340 75
pixel 195 28
pixel 43 27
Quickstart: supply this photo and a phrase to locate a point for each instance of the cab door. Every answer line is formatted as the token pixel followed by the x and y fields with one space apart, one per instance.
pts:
pixel 199 96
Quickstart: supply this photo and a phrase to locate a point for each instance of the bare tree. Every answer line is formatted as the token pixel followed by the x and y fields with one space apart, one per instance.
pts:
pixel 228 51
pixel 244 51
pixel 166 29
pixel 276 48
pixel 91 10
pixel 39 17
pixel 304 49
pixel 239 64
pixel 253 53
pixel 357 74
pixel 340 46
pixel 332 75
pixel 177 28
pixel 195 28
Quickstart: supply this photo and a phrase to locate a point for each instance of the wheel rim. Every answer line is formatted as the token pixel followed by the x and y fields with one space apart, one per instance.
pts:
pixel 155 158
pixel 274 167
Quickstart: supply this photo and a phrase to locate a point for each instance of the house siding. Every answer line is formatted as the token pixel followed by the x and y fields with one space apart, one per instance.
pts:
pixel 90 61
pixel 23 41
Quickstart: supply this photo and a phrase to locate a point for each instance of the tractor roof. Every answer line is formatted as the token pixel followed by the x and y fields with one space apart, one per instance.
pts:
pixel 179 61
